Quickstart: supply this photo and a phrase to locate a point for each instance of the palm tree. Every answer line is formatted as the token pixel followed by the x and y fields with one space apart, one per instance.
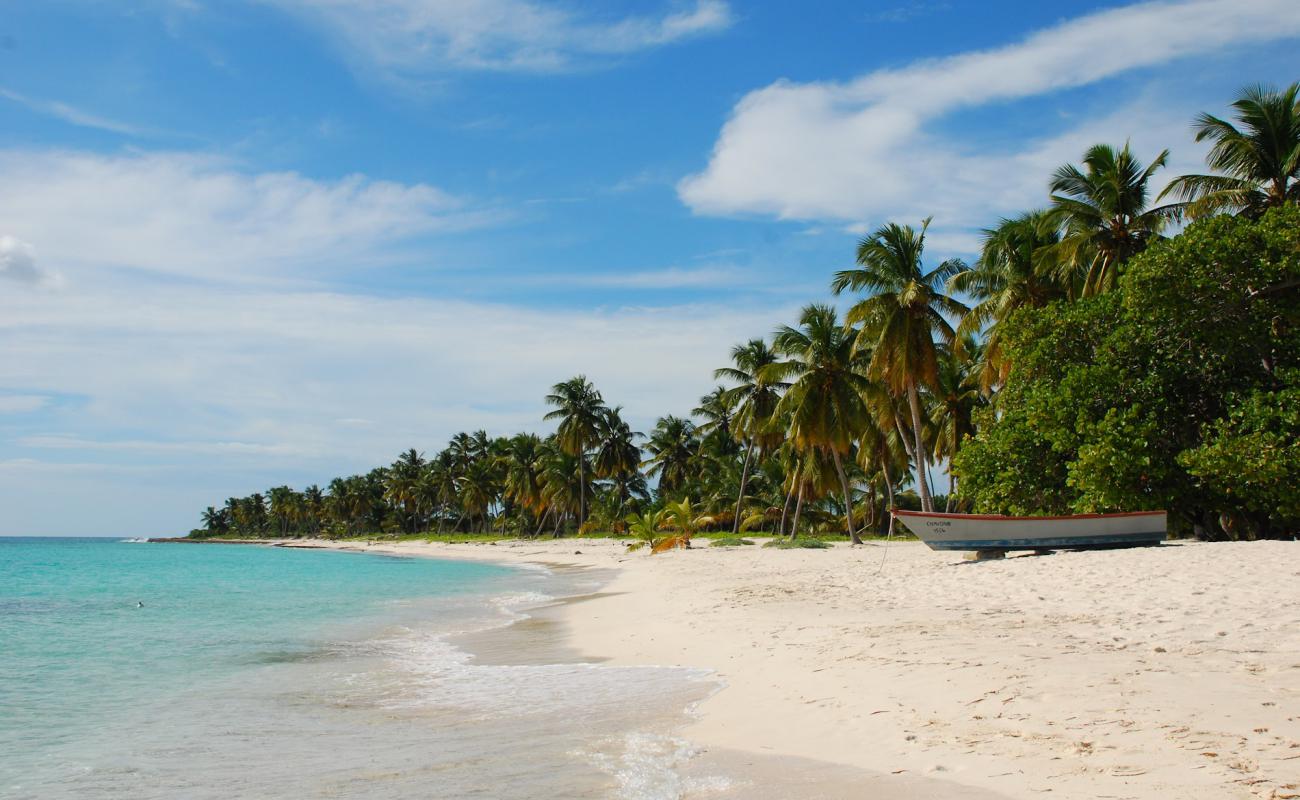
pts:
pixel 560 492
pixel 618 456
pixel 579 409
pixel 644 528
pixel 881 451
pixel 283 501
pixel 953 401
pixel 402 487
pixel 827 382
pixel 255 511
pixel 672 447
pixel 523 472
pixel 717 409
pixel 215 520
pixel 755 400
pixel 1258 159
pixel 683 518
pixel 1103 215
pixel 313 507
pixel 1004 279
pixel 906 310
pixel 477 491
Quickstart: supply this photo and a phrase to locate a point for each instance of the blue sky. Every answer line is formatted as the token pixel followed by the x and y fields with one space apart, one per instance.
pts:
pixel 275 241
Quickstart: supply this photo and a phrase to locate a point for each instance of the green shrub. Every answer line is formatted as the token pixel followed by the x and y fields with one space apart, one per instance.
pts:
pixel 797 544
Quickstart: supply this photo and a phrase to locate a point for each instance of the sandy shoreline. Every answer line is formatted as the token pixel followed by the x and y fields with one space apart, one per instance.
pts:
pixel 1155 672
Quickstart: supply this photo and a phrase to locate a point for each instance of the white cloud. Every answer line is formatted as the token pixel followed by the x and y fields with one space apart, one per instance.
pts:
pixel 412 38
pixel 865 149
pixel 71 114
pixel 159 447
pixel 202 216
pixel 18 262
pixel 239 377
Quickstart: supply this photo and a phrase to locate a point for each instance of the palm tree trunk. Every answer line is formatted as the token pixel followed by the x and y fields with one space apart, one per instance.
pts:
pixel 921 462
pixel 541 523
pixel 889 491
pixel 952 479
pixel 903 437
pixel 798 506
pixel 744 478
pixel 582 491
pixel 785 512
pixel 870 522
pixel 848 498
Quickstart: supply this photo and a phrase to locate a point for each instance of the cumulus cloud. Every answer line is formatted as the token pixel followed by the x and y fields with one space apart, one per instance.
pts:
pixel 420 37
pixel 203 216
pixel 871 146
pixel 18 262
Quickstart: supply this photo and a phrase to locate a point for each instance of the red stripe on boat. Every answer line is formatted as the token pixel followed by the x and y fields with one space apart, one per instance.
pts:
pixel 1000 517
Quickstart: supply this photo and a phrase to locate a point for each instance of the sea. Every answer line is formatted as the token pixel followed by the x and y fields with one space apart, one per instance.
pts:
pixel 138 670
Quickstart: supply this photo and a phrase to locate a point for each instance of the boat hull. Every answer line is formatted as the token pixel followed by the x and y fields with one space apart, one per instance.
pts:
pixel 992 532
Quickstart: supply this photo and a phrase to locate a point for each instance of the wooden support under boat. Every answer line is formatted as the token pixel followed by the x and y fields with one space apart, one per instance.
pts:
pixel 993 533
pixel 985 555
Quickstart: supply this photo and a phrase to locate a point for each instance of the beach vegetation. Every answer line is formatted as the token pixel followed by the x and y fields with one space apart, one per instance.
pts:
pixel 801 543
pixel 1094 357
pixel 730 541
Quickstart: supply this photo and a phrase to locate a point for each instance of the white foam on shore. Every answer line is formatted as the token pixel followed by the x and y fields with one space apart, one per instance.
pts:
pixel 624 716
pixel 647 766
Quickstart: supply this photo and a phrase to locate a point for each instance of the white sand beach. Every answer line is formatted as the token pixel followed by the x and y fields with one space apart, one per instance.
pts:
pixel 1147 673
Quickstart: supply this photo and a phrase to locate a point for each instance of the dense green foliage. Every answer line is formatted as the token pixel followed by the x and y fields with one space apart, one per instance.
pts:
pixel 1085 362
pixel 1161 394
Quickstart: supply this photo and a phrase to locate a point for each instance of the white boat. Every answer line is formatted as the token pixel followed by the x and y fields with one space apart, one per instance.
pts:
pixel 992 532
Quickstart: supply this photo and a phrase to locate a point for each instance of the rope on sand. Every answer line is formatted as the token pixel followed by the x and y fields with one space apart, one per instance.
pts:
pixel 889 537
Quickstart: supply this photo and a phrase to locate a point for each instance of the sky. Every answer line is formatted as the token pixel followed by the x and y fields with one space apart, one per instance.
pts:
pixel 259 242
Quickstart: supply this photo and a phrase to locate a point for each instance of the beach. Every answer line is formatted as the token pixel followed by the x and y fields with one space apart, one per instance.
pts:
pixel 1143 673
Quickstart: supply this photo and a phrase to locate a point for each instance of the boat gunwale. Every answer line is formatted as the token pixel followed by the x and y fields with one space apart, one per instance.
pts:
pixel 1003 518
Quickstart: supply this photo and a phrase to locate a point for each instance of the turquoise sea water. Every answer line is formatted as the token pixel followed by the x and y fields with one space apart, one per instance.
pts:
pixel 266 672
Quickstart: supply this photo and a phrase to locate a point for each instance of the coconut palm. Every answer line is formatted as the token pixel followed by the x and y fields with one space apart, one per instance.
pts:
pixel 523 472
pixel 618 456
pixel 901 318
pixel 313 508
pixel 1004 279
pixel 283 501
pixel 562 493
pixel 1257 159
pixel 215 520
pixel 827 379
pixel 579 408
pixel 685 519
pixel 401 488
pixel 717 410
pixel 644 528
pixel 672 447
pixel 1103 215
pixel 755 398
pixel 953 401
pixel 478 491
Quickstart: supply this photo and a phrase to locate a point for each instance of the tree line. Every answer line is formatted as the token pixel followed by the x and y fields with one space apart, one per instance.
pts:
pixel 1117 349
